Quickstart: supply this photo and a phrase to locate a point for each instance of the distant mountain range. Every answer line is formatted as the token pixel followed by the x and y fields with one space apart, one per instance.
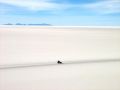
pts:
pixel 42 24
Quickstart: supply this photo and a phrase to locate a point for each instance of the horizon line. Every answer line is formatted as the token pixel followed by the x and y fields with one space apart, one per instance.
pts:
pixel 83 26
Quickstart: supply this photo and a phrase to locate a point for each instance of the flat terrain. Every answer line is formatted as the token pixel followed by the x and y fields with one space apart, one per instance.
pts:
pixel 27 45
pixel 43 44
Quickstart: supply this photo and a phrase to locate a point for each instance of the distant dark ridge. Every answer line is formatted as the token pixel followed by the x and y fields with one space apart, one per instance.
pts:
pixel 55 63
pixel 40 24
pixel 21 24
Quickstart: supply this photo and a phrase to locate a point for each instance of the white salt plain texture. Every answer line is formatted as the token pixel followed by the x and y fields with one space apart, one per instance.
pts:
pixel 43 44
pixel 48 44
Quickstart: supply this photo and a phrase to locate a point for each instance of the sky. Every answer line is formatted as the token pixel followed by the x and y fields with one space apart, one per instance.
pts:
pixel 61 12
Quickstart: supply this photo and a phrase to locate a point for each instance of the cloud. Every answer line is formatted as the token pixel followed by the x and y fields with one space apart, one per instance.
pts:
pixel 99 6
pixel 38 5
pixel 104 6
pixel 32 4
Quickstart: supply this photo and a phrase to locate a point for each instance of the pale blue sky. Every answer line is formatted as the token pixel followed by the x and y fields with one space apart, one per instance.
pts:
pixel 61 12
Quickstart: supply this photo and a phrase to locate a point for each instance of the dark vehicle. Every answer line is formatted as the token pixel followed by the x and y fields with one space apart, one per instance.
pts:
pixel 59 62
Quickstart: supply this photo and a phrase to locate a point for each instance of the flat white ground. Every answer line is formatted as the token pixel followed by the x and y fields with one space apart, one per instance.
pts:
pixel 94 76
pixel 48 44
pixel 43 44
